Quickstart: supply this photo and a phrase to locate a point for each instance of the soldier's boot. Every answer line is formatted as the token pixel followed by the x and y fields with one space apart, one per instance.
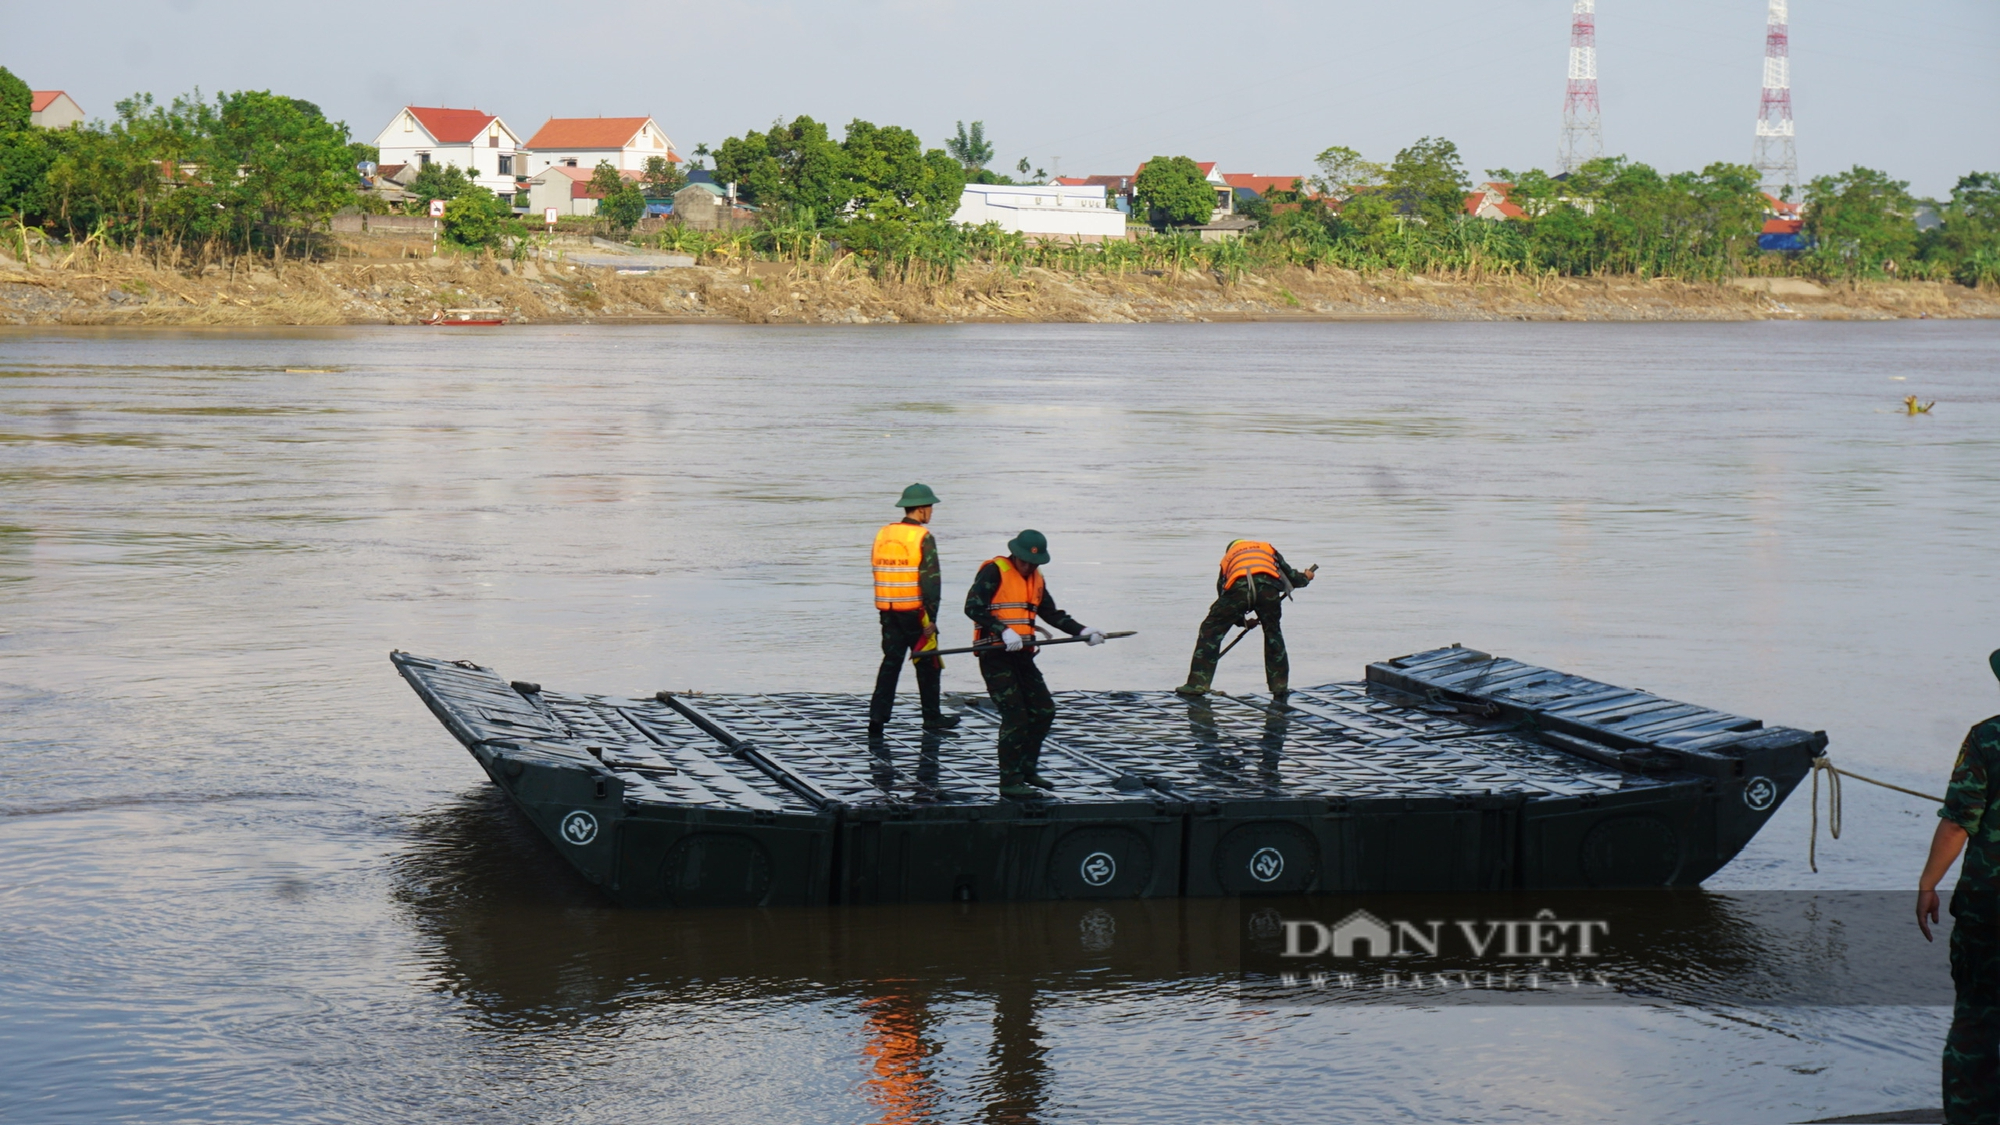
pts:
pixel 1034 777
pixel 930 692
pixel 1191 689
pixel 1014 788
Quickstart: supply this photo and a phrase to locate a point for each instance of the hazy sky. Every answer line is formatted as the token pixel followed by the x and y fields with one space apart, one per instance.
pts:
pixel 1912 89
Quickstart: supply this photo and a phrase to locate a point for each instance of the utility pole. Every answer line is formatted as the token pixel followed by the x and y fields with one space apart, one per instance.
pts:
pixel 1583 134
pixel 1776 160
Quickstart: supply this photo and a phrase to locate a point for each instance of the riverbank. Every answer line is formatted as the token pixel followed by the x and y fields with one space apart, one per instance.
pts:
pixel 113 289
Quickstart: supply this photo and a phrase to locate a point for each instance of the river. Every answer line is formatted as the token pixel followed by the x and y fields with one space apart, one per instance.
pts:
pixel 244 875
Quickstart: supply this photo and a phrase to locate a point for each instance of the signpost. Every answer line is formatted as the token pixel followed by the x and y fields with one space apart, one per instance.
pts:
pixel 437 212
pixel 549 217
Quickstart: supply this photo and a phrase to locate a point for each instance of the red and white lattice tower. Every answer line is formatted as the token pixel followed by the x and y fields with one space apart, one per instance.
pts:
pixel 1583 136
pixel 1777 162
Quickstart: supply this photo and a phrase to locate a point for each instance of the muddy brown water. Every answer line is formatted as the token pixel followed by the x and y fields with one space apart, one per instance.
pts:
pixel 246 876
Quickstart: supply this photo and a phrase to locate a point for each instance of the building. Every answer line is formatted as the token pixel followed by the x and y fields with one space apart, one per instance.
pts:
pixel 1784 226
pixel 1225 193
pixel 1490 201
pixel 1117 189
pixel 1074 212
pixel 53 109
pixel 476 141
pixel 1244 185
pixel 582 142
pixel 567 189
pixel 707 206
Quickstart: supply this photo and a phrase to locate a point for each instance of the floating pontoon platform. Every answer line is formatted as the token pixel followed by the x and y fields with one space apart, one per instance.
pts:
pixel 1446 770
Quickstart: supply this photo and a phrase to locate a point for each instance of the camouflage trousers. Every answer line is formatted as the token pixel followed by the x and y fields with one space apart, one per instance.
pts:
pixel 901 629
pixel 1027 710
pixel 1972 1046
pixel 1234 605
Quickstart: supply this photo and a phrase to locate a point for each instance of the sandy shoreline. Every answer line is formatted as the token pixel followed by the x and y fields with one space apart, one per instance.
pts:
pixel 126 290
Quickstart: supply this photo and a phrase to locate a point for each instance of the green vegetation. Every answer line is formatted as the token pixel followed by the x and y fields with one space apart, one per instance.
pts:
pixel 438 181
pixel 201 180
pixel 249 171
pixel 17 102
pixel 970 147
pixel 662 178
pixel 477 218
pixel 1171 191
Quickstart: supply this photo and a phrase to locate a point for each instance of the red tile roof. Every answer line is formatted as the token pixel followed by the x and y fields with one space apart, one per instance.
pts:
pixel 1262 184
pixel 586 132
pixel 451 126
pixel 1205 166
pixel 1784 226
pixel 42 99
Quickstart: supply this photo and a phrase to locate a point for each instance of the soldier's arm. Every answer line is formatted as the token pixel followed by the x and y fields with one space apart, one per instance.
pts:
pixel 979 599
pixel 1297 578
pixel 930 581
pixel 1221 581
pixel 1964 810
pixel 1048 612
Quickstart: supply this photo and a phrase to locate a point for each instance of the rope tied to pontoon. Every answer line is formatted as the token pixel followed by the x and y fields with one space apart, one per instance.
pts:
pixel 1834 773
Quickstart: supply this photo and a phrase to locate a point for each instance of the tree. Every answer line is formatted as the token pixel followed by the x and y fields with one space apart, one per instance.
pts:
pixel 284 163
pixel 1426 181
pixel 475 217
pixel 604 179
pixel 439 181
pixel 890 174
pixel 1861 219
pixel 17 102
pixel 620 201
pixel 662 177
pixel 971 147
pixel 1967 240
pixel 795 167
pixel 1343 171
pixel 1172 190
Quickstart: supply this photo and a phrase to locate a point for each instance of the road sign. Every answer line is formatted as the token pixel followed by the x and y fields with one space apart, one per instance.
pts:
pixel 437 208
pixel 549 215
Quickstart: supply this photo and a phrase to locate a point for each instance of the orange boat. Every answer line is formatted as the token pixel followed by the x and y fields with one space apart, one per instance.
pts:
pixel 467 318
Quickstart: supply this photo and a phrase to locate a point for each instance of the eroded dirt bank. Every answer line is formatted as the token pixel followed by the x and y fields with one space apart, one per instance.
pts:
pixel 126 290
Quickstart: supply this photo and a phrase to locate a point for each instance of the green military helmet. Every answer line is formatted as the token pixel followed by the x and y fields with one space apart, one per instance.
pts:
pixel 1030 546
pixel 1994 661
pixel 917 496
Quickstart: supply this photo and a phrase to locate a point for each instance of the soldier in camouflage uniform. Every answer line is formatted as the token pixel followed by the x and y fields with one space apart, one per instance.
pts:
pixel 1970 821
pixel 1004 601
pixel 1253 579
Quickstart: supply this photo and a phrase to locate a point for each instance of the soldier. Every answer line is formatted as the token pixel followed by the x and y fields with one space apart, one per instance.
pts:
pixel 1003 603
pixel 1971 821
pixel 907 589
pixel 1254 578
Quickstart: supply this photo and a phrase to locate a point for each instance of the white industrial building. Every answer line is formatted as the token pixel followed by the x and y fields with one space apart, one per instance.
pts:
pixel 1052 211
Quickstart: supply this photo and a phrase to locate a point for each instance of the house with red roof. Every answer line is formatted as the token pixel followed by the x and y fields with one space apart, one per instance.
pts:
pixel 472 139
pixel 581 142
pixel 566 187
pixel 53 109
pixel 1489 201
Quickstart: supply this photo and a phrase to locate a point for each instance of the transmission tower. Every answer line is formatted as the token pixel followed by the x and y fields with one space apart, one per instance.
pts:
pixel 1777 162
pixel 1583 136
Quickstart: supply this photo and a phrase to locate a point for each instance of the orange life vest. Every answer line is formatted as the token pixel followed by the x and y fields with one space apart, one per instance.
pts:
pixel 899 547
pixel 1015 602
pixel 1248 556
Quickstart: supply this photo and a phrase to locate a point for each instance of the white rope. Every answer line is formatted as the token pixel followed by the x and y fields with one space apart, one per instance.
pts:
pixel 1833 775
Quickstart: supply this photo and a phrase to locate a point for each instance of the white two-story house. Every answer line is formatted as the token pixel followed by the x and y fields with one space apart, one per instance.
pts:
pixel 581 142
pixel 478 142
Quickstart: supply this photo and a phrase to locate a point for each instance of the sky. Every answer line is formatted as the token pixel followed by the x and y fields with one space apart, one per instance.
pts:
pixel 1911 89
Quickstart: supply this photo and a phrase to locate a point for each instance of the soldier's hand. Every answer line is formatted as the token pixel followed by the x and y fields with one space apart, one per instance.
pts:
pixel 1011 640
pixel 1927 912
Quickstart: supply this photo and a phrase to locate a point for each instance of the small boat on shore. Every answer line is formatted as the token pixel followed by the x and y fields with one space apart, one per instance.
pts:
pixel 1446 770
pixel 466 318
